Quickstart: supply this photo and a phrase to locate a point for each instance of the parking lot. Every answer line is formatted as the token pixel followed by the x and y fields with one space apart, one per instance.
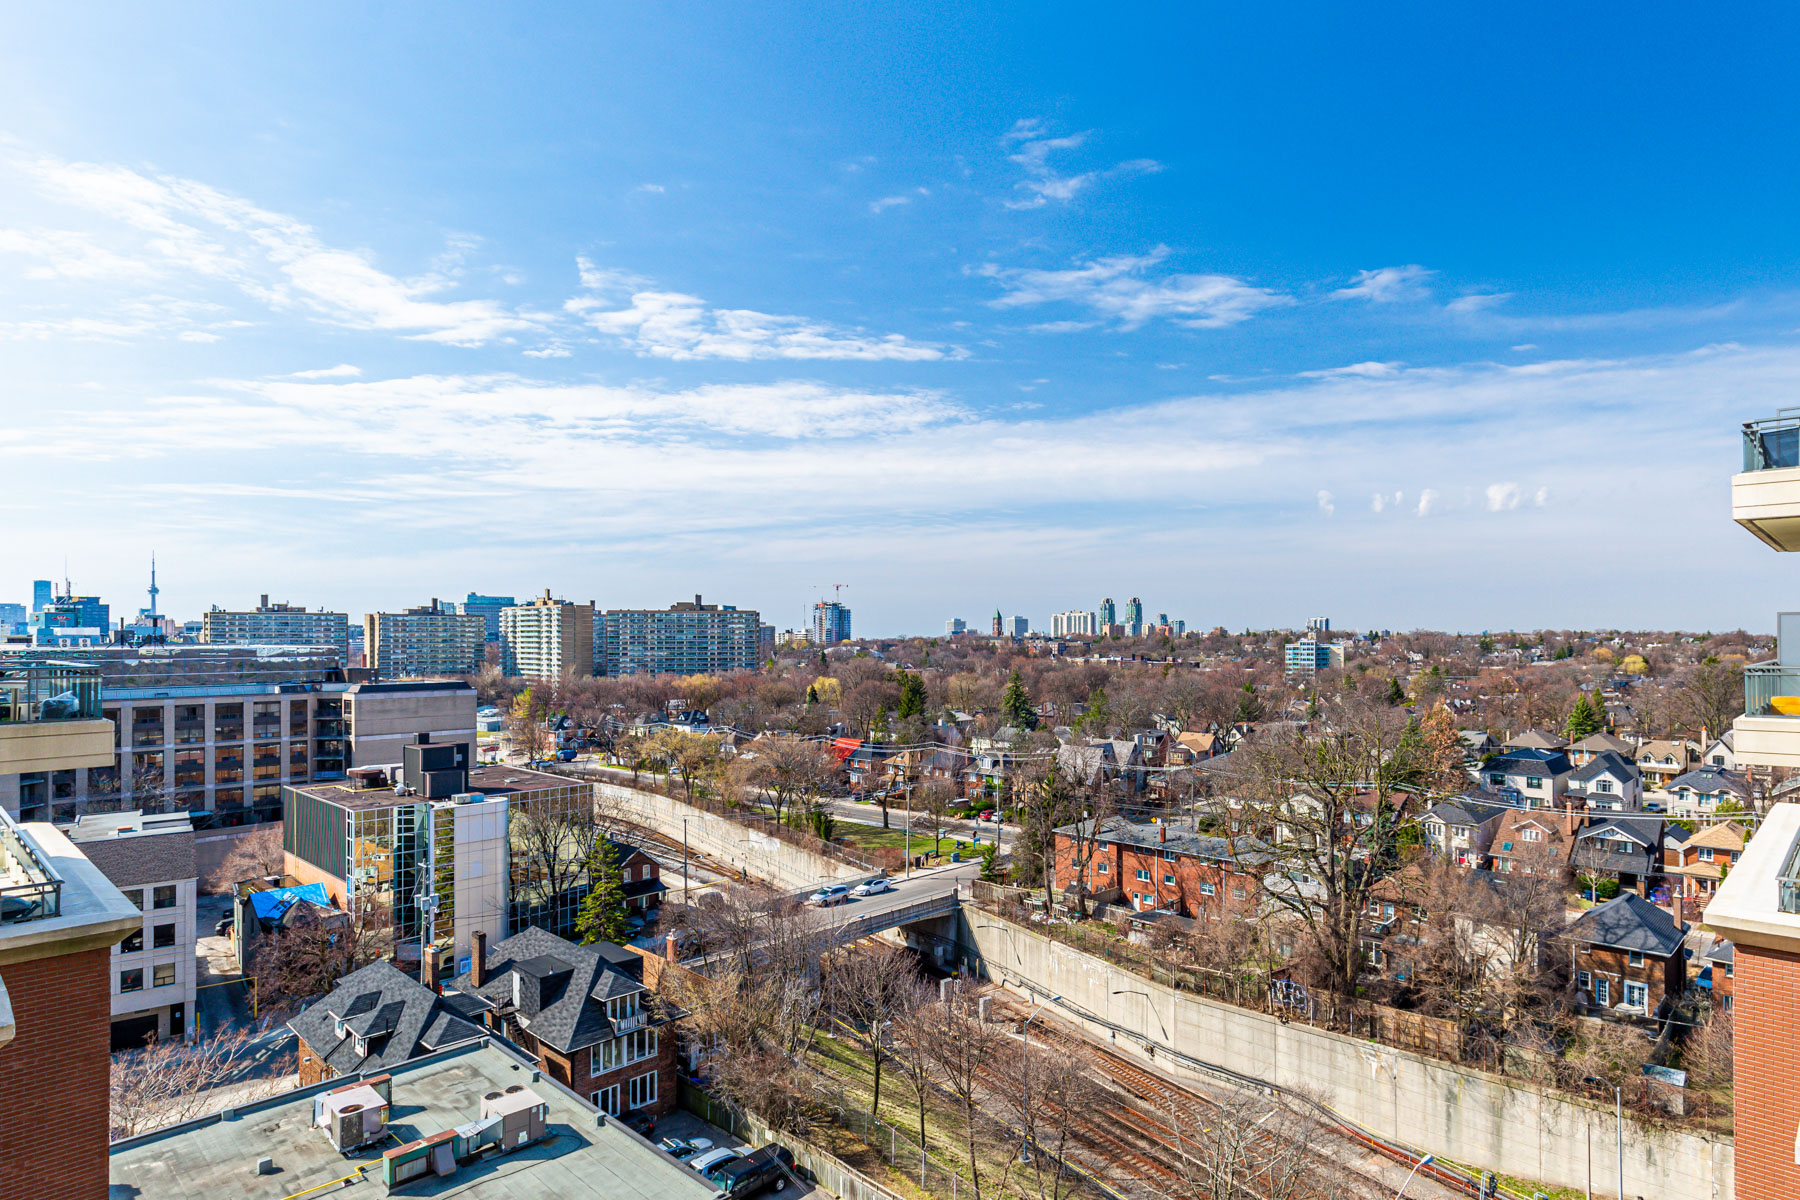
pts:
pixel 683 1124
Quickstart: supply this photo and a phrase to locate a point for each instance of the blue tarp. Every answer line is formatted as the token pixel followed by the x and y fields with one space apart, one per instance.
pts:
pixel 269 905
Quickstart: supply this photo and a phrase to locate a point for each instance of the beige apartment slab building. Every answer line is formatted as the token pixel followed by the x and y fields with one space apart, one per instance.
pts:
pixel 277 625
pixel 429 641
pixel 547 638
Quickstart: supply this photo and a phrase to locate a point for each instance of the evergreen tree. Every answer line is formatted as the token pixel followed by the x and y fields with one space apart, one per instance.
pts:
pixel 602 915
pixel 1396 695
pixel 1249 706
pixel 1585 719
pixel 912 696
pixel 1098 713
pixel 990 865
pixel 1015 703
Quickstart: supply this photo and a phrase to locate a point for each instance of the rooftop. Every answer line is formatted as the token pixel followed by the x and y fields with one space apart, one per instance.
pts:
pixel 133 849
pixel 216 1157
pixel 486 780
pixel 52 899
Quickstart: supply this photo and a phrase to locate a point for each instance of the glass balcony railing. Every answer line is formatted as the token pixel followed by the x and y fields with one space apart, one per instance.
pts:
pixel 1773 443
pixel 1771 690
pixel 30 888
pixel 49 691
pixel 1789 880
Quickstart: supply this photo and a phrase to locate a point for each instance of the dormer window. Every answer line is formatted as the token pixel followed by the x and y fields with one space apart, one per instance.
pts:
pixel 1534 835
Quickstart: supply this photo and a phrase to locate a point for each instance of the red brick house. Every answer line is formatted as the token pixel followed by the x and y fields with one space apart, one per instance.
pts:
pixel 1628 958
pixel 1696 866
pixel 582 1011
pixel 1721 959
pixel 642 876
pixel 1157 867
pixel 1532 841
pixel 376 1017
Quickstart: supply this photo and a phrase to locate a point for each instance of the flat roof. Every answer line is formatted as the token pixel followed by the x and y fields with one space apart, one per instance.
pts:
pixel 214 1157
pixel 488 780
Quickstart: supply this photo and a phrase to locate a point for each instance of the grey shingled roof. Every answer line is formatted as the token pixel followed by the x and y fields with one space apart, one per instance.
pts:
pixel 1712 779
pixel 1464 811
pixel 1606 762
pixel 574 1014
pixel 1630 922
pixel 135 860
pixel 1186 842
pixel 402 1017
pixel 1528 761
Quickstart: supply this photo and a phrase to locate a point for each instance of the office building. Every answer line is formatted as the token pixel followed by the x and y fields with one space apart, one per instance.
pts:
pixel 1318 625
pixel 150 859
pixel 72 620
pixel 63 918
pixel 277 625
pixel 448 850
pixel 765 641
pixel 683 639
pixel 475 1118
pixel 1073 624
pixel 1309 656
pixel 223 752
pixel 42 592
pixel 1108 615
pixel 830 623
pixel 487 608
pixel 12 618
pixel 954 626
pixel 547 639
pixel 1134 617
pixel 191 665
pixel 424 642
pixel 1018 626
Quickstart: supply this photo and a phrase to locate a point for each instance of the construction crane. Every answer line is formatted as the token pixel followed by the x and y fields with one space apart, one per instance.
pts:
pixel 837 591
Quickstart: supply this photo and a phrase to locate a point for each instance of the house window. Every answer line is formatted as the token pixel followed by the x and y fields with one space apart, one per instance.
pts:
pixel 1534 782
pixel 1237 891
pixel 622 1051
pixel 1168 856
pixel 132 980
pixel 165 896
pixel 163 936
pixel 136 896
pixel 1602 992
pixel 1718 760
pixel 1603 785
pixel 134 941
pixel 1143 875
pixel 643 1090
pixel 1497 780
pixel 1635 959
pixel 607 1100
pixel 1168 880
pixel 1584 981
pixel 1637 995
pixel 163 975
pixel 1534 835
pixel 1101 868
pixel 1207 889
pixel 1706 854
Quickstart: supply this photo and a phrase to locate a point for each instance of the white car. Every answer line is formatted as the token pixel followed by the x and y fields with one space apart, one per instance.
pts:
pixel 832 893
pixel 702 1163
pixel 872 887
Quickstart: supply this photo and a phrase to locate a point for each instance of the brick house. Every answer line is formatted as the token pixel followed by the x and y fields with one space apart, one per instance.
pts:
pixel 1462 829
pixel 644 887
pixel 1156 867
pixel 375 1018
pixel 1623 848
pixel 1719 963
pixel 583 1012
pixel 1532 841
pixel 1627 957
pixel 1697 865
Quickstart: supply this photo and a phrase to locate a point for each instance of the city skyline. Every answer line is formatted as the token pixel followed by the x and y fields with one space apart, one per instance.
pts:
pixel 737 301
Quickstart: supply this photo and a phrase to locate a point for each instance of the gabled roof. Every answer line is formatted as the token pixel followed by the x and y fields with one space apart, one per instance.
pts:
pixel 399 1018
pixel 573 1014
pixel 1536 739
pixel 1711 779
pixel 1629 831
pixel 1465 811
pixel 1726 835
pixel 1630 922
pixel 1118 831
pixel 1527 761
pixel 1607 762
pixel 1660 749
pixel 1598 743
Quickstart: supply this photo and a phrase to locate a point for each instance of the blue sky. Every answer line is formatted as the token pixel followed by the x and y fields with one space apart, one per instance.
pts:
pixel 1423 319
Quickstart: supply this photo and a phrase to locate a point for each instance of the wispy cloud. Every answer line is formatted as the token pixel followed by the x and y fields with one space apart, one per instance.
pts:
pixel 341 371
pixel 1121 290
pixel 1032 146
pixel 899 199
pixel 675 325
pixel 1387 285
pixel 168 228
pixel 1361 370
pixel 1327 503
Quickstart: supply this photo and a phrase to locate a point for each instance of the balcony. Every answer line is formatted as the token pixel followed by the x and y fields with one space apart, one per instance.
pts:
pixel 50 718
pixel 1765 496
pixel 1768 734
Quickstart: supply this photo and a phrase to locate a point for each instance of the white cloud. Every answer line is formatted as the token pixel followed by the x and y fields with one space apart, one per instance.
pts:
pixel 654 189
pixel 1541 497
pixel 1476 302
pixel 678 326
pixel 1387 285
pixel 880 206
pixel 341 371
pixel 1365 370
pixel 1032 146
pixel 1427 502
pixel 1116 289
pixel 181 229
pixel 1502 497
pixel 1327 504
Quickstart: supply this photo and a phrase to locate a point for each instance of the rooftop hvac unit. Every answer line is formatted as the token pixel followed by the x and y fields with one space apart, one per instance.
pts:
pixel 352 1117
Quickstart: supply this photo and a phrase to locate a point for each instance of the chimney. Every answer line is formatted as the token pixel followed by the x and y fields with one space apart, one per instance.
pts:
pixel 478 958
pixel 428 968
pixel 669 951
pixel 1162 833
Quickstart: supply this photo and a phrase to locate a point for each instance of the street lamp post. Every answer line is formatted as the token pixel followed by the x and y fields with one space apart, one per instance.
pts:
pixel 1429 1158
pixel 685 878
pixel 907 873
pixel 1151 1007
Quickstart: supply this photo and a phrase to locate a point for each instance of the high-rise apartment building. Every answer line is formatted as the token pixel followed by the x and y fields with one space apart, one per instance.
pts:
pixel 1134 617
pixel 683 639
pixel 1108 615
pixel 1309 656
pixel 1018 626
pixel 954 626
pixel 830 623
pixel 1074 623
pixel 487 608
pixel 277 625
pixel 12 619
pixel 42 592
pixel 1318 625
pixel 424 642
pixel 547 639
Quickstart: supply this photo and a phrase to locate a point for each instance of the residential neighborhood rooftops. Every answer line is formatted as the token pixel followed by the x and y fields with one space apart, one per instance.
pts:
pixel 1602 743
pixel 1630 922
pixel 1711 779
pixel 1536 739
pixel 377 1017
pixel 132 849
pixel 1173 839
pixel 215 1157
pixel 575 980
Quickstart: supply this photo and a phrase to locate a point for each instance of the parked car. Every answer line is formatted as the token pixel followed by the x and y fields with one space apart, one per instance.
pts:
pixel 831 893
pixel 711 1160
pixel 223 928
pixel 872 887
pixel 682 1149
pixel 639 1122
pixel 565 756
pixel 765 1169
pixel 987 814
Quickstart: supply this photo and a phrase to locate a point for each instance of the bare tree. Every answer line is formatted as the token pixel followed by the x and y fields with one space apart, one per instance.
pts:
pixel 867 987
pixel 1252 1147
pixel 550 850
pixel 254 854
pixel 784 772
pixel 167 1083
pixel 317 948
pixel 961 1053
pixel 1045 1092
pixel 527 722
pixel 1711 699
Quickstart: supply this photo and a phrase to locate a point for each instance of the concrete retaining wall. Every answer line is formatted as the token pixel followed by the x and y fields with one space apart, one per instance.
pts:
pixel 725 841
pixel 1502 1125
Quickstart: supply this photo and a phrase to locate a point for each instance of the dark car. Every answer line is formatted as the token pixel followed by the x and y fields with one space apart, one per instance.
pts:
pixel 764 1170
pixel 223 927
pixel 639 1121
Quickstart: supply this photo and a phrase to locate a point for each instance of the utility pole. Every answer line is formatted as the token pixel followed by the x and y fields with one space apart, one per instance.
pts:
pixel 686 880
pixel 908 869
